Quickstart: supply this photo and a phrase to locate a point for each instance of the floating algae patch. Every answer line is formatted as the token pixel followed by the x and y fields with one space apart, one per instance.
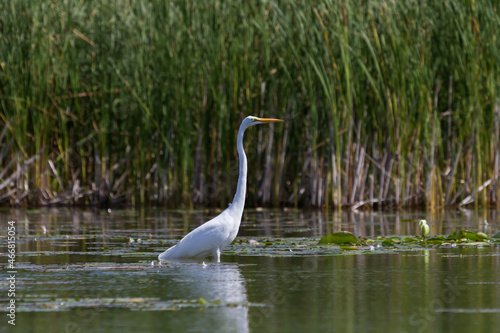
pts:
pixel 273 247
pixel 113 249
pixel 288 247
pixel 130 303
pixel 342 237
pixel 347 243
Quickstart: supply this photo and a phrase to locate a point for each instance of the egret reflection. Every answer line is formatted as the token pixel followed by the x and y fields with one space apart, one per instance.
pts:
pixel 212 282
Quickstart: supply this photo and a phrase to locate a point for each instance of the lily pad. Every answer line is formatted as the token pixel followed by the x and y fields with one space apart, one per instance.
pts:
pixel 481 236
pixel 348 248
pixel 410 240
pixel 468 235
pixel 497 235
pixel 343 237
pixel 436 240
pixel 459 234
pixel 391 241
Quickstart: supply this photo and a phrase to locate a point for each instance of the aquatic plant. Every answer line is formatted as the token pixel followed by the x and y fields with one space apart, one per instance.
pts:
pixel 424 228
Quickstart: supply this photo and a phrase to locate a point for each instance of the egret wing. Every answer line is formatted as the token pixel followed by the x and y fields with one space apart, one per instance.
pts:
pixel 204 239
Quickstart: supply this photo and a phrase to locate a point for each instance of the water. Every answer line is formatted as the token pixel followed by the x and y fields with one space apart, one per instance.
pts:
pixel 90 271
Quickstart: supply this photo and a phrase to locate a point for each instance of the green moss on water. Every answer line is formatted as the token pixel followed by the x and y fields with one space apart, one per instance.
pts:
pixel 146 252
pixel 342 237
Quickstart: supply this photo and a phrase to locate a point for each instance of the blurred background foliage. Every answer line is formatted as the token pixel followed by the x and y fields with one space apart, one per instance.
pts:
pixel 386 103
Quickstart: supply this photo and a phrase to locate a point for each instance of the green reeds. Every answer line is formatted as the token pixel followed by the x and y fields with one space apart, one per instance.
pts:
pixel 386 103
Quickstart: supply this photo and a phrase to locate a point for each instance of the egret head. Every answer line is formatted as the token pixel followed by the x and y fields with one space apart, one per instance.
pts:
pixel 422 222
pixel 251 121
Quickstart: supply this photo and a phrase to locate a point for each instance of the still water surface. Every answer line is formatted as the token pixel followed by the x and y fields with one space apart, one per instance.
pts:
pixel 102 260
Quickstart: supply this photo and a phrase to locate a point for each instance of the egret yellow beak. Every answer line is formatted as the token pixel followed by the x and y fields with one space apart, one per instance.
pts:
pixel 269 120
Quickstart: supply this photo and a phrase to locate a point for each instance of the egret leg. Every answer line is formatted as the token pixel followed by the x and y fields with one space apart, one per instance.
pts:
pixel 217 254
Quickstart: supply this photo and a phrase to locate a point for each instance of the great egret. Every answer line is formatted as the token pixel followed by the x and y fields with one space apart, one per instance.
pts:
pixel 210 238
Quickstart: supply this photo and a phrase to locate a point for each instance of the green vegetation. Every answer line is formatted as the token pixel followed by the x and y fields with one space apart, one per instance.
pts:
pixel 342 237
pixel 385 102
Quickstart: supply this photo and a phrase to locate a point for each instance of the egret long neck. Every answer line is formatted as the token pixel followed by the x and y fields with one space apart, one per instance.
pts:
pixel 239 197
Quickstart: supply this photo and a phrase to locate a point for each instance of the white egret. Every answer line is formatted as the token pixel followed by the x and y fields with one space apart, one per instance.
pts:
pixel 210 238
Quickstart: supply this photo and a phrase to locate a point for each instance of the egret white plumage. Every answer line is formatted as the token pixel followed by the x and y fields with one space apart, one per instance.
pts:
pixel 210 238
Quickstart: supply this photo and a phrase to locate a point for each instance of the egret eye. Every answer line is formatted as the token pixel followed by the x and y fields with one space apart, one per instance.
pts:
pixel 254 119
